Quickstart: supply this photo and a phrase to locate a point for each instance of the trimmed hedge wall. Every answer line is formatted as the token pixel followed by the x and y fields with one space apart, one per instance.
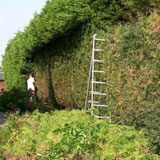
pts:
pixel 57 18
pixel 131 65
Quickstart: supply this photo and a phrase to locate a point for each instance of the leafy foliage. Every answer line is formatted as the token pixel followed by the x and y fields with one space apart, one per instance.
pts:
pixel 14 99
pixel 134 79
pixel 73 134
pixel 152 127
pixel 57 18
pixel 77 141
pixel 133 62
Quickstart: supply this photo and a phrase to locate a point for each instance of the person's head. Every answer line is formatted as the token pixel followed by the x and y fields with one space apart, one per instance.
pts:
pixel 30 75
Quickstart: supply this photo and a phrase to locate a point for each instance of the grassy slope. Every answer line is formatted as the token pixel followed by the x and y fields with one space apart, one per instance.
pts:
pixel 31 135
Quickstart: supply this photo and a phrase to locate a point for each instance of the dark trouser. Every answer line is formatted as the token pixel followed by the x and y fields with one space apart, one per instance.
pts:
pixel 32 93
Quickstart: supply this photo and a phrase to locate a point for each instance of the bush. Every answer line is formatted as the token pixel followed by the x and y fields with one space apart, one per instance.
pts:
pixel 75 135
pixel 95 142
pixel 77 141
pixel 13 99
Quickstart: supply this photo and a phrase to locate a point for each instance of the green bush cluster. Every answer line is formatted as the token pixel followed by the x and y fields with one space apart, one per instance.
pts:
pixel 14 99
pixel 78 141
pixel 71 134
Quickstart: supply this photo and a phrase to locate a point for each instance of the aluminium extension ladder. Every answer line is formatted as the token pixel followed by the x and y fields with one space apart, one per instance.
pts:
pixel 92 82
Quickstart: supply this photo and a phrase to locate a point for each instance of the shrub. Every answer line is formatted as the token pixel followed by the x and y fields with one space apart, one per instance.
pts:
pixel 13 99
pixel 75 135
pixel 77 141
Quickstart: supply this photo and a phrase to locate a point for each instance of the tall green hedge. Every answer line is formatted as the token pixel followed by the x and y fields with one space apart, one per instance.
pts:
pixel 131 65
pixel 57 18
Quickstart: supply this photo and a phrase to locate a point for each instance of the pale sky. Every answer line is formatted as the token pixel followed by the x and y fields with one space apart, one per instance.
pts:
pixel 14 16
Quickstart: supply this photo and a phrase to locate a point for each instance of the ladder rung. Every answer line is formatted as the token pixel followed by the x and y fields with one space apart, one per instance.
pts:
pixel 98 71
pixel 93 101
pixel 97 39
pixel 99 105
pixel 97 82
pixel 97 60
pixel 98 50
pixel 98 93
pixel 101 117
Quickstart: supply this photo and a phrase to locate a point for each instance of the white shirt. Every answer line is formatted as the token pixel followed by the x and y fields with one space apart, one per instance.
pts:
pixel 30 84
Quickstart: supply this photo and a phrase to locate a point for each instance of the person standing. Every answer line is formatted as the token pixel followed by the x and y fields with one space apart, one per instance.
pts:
pixel 31 85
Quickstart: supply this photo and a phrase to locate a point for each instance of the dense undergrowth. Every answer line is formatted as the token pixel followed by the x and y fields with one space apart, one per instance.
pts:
pixel 70 135
pixel 12 99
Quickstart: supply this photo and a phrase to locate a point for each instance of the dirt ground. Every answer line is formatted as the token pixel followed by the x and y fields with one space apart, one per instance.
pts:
pixel 13 157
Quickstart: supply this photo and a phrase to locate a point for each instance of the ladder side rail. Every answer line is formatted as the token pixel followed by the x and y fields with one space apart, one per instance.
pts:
pixel 93 50
pixel 89 79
